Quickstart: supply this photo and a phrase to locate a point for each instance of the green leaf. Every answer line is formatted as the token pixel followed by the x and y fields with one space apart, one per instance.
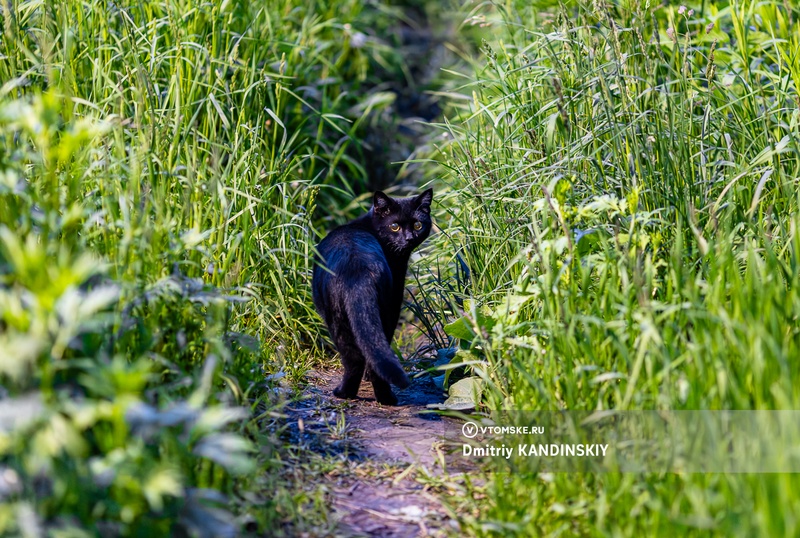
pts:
pixel 159 484
pixel 465 394
pixel 229 450
pixel 462 358
pixel 461 329
pixel 589 241
pixel 509 310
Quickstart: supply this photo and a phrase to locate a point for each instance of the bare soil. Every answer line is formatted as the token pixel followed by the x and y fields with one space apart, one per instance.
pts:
pixel 405 441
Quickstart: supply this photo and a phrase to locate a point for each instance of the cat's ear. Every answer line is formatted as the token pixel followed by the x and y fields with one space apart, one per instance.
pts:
pixel 382 204
pixel 424 201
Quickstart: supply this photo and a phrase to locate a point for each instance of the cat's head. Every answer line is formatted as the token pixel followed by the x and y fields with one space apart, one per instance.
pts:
pixel 402 223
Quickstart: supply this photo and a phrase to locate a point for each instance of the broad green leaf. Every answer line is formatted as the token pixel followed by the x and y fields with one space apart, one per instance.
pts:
pixel 461 329
pixel 465 394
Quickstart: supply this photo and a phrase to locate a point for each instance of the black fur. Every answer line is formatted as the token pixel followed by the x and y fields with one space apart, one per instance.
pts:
pixel 358 289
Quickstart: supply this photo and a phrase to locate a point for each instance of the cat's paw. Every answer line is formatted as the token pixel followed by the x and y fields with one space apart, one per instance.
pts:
pixel 340 392
pixel 386 398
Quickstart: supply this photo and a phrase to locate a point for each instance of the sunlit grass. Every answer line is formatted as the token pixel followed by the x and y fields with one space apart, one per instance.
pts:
pixel 630 173
pixel 176 154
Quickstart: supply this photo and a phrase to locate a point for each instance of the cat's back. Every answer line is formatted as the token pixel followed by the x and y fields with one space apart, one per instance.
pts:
pixel 349 248
pixel 349 258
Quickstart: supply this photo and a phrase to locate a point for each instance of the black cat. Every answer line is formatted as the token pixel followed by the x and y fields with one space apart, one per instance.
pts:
pixel 358 289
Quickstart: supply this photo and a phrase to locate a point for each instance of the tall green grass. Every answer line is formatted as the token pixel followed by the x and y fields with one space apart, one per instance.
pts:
pixel 162 163
pixel 218 118
pixel 624 192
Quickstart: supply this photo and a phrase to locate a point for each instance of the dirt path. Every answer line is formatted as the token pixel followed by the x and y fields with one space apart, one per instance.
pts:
pixel 394 444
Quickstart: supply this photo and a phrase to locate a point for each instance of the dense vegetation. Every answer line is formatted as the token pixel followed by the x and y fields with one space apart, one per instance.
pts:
pixel 640 165
pixel 616 184
pixel 160 165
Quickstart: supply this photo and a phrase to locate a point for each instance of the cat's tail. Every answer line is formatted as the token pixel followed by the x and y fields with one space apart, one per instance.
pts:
pixel 368 331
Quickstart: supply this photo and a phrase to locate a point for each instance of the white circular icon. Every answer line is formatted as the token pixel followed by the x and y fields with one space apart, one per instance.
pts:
pixel 469 429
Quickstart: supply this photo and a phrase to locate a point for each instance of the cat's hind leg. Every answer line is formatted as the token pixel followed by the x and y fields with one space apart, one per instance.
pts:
pixel 382 389
pixel 351 380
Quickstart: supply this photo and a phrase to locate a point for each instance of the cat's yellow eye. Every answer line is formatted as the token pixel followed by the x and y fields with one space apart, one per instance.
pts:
pixel 394 227
pixel 418 225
